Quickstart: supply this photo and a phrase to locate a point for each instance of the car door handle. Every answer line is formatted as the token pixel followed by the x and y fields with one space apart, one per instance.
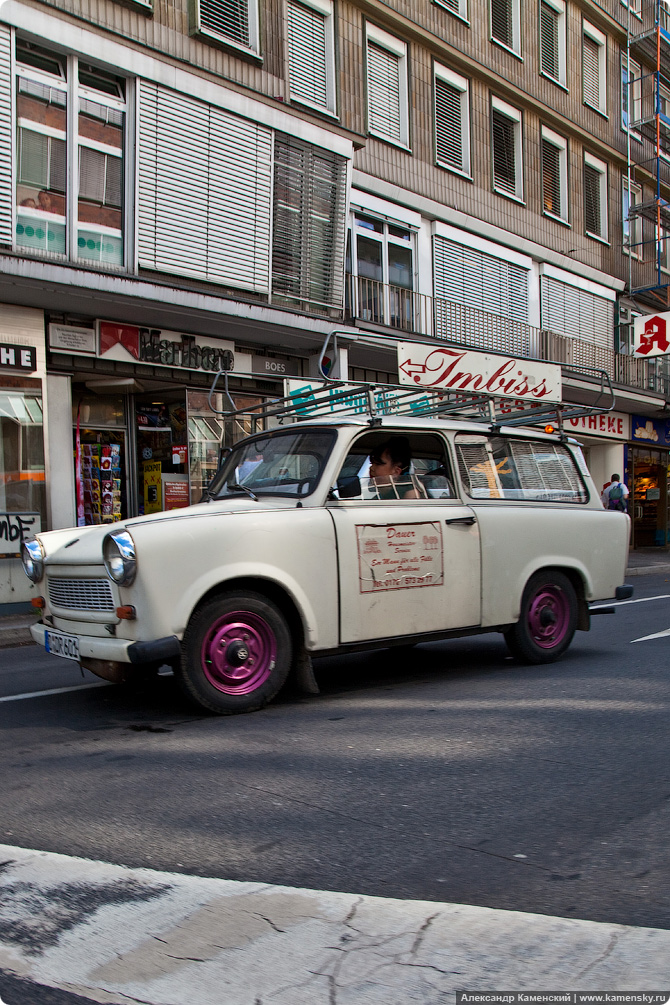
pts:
pixel 467 521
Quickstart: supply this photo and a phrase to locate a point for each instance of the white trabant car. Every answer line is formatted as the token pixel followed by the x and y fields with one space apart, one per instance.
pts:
pixel 338 534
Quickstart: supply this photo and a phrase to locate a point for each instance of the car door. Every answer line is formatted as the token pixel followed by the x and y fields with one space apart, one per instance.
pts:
pixel 406 566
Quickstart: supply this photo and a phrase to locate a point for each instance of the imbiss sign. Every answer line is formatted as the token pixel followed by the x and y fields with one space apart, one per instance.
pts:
pixel 449 368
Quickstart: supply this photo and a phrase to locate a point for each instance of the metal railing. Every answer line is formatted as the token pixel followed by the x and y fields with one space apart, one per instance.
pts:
pixel 405 310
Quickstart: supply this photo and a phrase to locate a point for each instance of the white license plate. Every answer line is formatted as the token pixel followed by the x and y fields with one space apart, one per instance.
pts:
pixel 59 644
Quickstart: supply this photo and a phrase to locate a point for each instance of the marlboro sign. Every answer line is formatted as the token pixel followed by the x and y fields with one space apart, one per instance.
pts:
pixel 447 368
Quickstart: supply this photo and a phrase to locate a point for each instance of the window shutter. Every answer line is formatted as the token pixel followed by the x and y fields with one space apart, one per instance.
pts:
pixel 384 92
pixel 502 27
pixel 471 281
pixel 240 186
pixel 308 224
pixel 592 207
pixel 448 124
pixel 308 70
pixel 6 93
pixel 228 19
pixel 574 313
pixel 551 178
pixel 549 40
pixel 591 52
pixel 504 153
pixel 204 191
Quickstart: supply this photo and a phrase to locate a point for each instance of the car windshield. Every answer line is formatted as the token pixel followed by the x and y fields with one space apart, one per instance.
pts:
pixel 286 463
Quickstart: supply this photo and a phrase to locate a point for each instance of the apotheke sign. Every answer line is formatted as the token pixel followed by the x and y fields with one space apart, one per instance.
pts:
pixel 18 357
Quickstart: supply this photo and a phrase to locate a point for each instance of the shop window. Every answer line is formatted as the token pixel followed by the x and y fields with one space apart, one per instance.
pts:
pixel 61 212
pixel 22 454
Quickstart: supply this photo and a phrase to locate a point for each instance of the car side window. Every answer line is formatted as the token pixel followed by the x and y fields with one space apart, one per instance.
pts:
pixel 390 466
pixel 500 467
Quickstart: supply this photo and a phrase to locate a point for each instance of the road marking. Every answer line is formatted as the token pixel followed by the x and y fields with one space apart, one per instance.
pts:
pixel 658 635
pixel 640 600
pixel 54 690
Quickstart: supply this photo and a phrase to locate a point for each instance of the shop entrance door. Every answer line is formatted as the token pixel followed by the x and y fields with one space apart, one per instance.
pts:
pixel 161 451
pixel 647 481
pixel 102 475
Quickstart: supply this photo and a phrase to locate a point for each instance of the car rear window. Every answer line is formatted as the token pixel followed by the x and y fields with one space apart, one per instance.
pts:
pixel 500 467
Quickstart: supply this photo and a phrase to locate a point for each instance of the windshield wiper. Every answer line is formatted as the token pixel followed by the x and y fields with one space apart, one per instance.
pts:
pixel 236 487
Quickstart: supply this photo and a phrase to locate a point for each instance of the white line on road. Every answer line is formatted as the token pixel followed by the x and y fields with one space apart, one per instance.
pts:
pixel 54 690
pixel 658 635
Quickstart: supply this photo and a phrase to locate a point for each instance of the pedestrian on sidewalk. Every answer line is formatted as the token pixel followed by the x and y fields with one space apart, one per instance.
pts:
pixel 615 495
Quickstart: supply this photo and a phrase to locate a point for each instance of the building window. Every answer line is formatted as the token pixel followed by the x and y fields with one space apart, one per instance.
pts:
pixel 506 23
pixel 311 53
pixel 594 68
pixel 388 111
pixel 382 267
pixel 458 7
pixel 74 213
pixel 632 223
pixel 595 197
pixel 554 175
pixel 631 94
pixel 663 249
pixel 506 149
pixel 452 120
pixel 231 21
pixel 552 40
pixel 308 225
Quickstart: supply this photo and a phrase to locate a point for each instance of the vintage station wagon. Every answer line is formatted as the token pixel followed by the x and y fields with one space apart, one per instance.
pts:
pixel 333 534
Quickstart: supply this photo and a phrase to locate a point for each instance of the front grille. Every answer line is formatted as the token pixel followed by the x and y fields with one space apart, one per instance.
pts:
pixel 81 594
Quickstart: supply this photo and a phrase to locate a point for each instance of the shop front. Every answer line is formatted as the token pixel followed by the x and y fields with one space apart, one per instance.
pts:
pixel 603 438
pixel 647 473
pixel 143 435
pixel 23 509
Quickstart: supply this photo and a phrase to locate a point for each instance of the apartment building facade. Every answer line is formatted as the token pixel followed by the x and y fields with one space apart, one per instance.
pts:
pixel 184 183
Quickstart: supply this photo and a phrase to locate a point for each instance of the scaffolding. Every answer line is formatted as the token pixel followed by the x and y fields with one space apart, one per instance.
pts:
pixel 646 118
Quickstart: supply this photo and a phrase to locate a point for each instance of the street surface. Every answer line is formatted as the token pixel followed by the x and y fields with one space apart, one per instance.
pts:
pixel 448 773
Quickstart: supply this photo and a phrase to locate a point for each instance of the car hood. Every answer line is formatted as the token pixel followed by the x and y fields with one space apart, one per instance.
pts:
pixel 83 545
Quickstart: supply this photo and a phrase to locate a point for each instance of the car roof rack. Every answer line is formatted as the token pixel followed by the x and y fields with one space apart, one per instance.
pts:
pixel 326 396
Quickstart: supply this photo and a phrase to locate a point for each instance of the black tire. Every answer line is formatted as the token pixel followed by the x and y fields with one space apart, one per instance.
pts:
pixel 236 653
pixel 547 620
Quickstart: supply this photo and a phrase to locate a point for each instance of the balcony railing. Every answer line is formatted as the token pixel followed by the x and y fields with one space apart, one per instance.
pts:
pixel 407 311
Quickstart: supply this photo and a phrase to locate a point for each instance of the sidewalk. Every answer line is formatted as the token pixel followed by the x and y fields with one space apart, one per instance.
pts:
pixel 113 934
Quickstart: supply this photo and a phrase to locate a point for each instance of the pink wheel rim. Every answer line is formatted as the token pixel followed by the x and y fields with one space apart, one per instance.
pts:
pixel 239 652
pixel 549 617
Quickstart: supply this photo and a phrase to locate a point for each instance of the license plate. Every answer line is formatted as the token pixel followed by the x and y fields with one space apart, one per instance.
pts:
pixel 59 644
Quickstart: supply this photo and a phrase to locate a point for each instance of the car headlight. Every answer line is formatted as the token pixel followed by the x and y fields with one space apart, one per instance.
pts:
pixel 32 557
pixel 118 552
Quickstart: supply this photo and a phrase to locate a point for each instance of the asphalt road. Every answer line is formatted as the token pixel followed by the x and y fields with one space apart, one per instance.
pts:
pixel 448 773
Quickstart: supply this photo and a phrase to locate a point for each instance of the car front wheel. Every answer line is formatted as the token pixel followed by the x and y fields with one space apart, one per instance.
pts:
pixel 547 620
pixel 236 653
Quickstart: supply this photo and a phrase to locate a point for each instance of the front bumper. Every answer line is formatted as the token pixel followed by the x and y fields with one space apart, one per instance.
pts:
pixel 118 650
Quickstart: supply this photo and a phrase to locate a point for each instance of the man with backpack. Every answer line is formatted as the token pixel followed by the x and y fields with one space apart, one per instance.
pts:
pixel 615 495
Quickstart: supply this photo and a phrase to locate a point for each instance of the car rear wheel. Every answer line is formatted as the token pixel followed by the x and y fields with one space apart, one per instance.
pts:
pixel 236 653
pixel 547 620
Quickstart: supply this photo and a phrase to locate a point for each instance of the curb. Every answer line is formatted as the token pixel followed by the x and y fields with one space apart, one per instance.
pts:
pixel 649 570
pixel 122 935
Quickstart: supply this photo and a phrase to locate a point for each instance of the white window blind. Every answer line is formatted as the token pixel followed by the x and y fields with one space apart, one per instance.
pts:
pixel 452 134
pixel 591 72
pixel 549 47
pixel 574 313
pixel 308 225
pixel 384 112
pixel 204 191
pixel 231 20
pixel 6 92
pixel 475 281
pixel 310 55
